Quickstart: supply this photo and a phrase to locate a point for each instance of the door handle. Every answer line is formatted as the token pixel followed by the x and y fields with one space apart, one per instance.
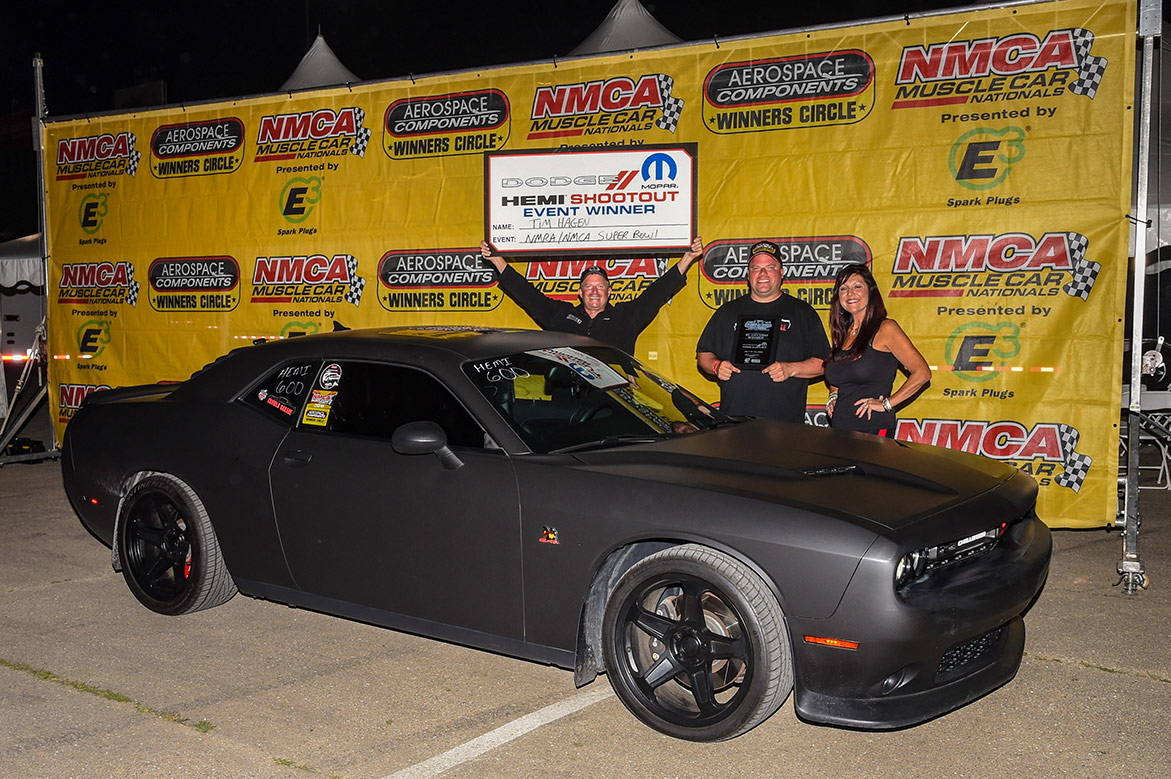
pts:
pixel 296 457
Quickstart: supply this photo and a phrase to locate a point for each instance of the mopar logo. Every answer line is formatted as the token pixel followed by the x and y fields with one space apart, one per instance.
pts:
pixel 982 158
pixel 655 165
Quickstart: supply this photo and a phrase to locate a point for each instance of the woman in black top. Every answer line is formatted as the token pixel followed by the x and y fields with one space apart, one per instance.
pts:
pixel 867 350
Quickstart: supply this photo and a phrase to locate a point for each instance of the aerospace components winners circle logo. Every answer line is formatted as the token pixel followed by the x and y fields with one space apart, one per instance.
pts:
pixel 811 90
pixel 208 284
pixel 439 125
pixel 197 148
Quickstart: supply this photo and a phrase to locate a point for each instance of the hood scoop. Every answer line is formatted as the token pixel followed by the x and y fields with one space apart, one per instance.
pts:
pixel 817 472
pixel 877 471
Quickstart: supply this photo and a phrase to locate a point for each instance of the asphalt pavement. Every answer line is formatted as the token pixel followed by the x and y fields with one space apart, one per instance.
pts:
pixel 92 684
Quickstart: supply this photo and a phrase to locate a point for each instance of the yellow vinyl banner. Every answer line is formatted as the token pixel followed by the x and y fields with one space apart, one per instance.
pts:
pixel 979 162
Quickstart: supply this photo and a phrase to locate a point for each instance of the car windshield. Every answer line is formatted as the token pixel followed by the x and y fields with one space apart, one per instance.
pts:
pixel 566 398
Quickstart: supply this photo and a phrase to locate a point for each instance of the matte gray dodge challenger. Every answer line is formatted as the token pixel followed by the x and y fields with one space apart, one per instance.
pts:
pixel 547 497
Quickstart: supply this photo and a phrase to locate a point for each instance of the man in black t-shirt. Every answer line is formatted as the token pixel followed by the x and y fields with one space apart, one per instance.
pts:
pixel 788 329
pixel 619 324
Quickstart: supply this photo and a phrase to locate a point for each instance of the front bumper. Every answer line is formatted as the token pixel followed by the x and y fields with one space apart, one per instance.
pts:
pixel 942 643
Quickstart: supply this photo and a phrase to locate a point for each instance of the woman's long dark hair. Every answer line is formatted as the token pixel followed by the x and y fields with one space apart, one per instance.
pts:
pixel 840 319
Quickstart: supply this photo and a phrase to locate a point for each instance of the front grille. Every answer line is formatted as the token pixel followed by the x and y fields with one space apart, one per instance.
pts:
pixel 956 661
pixel 964 549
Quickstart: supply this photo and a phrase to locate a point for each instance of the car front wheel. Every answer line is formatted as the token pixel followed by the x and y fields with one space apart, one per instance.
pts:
pixel 170 557
pixel 696 645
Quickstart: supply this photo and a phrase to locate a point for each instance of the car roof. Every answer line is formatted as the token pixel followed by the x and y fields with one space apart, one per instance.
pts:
pixel 438 348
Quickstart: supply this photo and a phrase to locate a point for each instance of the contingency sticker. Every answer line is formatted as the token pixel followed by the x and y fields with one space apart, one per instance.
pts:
pixel 317 409
pixel 331 376
pixel 593 370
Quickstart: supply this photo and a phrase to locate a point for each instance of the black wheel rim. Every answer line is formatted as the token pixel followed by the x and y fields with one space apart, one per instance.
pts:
pixel 158 547
pixel 686 656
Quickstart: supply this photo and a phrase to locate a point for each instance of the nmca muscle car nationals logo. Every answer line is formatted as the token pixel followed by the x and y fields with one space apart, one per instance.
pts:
pixel 439 125
pixel 97 282
pixel 437 280
pixel 994 266
pixel 197 148
pixel 811 90
pixel 194 284
pixel 315 278
pixel 810 264
pixel 606 111
pixel 1038 450
pixel 1021 66
pixel 559 279
pixel 69 397
pixel 312 135
pixel 96 156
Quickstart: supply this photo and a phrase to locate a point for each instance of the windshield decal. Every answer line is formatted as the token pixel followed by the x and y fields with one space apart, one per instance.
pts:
pixel 593 370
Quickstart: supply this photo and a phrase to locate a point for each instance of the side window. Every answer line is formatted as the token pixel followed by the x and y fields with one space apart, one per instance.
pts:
pixel 375 399
pixel 282 392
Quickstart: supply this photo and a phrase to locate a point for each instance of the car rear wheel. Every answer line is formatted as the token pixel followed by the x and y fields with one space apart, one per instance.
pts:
pixel 696 645
pixel 170 557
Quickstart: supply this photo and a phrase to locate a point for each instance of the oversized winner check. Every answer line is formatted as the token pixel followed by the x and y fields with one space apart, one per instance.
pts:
pixel 590 202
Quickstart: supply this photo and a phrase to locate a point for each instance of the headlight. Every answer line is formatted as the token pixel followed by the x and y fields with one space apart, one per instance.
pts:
pixel 914 564
pixel 910 567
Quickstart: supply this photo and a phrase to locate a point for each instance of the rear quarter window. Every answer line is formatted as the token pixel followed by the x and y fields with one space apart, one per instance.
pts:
pixel 281 393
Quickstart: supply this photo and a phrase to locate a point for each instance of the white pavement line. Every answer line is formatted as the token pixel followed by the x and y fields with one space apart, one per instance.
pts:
pixel 502 735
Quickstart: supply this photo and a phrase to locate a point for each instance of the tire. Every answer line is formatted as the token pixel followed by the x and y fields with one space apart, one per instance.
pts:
pixel 696 645
pixel 170 557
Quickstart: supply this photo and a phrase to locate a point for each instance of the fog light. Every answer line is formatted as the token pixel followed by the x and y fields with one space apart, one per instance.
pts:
pixel 898 679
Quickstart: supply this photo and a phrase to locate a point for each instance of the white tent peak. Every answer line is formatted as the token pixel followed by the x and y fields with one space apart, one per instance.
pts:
pixel 20 262
pixel 320 67
pixel 627 26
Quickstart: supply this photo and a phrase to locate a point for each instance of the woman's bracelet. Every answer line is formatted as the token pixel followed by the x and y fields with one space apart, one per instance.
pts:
pixel 885 403
pixel 833 398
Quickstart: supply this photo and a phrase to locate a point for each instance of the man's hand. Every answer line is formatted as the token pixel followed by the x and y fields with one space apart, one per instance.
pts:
pixel 691 255
pixel 725 369
pixel 780 371
pixel 497 261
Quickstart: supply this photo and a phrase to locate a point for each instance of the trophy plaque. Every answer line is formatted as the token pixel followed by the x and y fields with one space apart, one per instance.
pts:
pixel 755 342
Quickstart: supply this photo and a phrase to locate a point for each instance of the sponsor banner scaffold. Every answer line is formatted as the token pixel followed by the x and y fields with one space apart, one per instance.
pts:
pixel 978 162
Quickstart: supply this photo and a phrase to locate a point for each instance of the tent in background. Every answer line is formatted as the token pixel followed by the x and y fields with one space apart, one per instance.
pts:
pixel 627 26
pixel 22 279
pixel 320 67
pixel 20 263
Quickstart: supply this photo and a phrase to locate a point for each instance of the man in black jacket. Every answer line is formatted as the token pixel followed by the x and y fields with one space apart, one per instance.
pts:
pixel 619 324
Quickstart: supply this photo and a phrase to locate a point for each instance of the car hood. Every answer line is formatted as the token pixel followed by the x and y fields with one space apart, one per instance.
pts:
pixel 866 478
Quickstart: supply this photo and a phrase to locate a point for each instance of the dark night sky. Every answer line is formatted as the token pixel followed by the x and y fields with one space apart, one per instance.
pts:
pixel 229 48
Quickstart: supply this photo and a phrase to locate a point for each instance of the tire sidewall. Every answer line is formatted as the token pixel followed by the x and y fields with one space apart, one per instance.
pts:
pixel 760 699
pixel 191 509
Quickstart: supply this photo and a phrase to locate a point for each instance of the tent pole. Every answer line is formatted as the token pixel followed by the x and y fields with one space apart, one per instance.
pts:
pixel 1131 571
pixel 38 143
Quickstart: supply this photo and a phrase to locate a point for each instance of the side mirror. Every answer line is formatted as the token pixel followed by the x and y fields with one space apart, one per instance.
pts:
pixel 425 438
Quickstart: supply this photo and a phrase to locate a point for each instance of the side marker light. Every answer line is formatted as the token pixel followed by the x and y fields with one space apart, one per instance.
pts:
pixel 839 643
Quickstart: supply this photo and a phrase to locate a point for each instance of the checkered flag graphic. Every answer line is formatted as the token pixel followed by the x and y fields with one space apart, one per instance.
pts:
pixel 1085 272
pixel 133 157
pixel 1076 465
pixel 1091 69
pixel 132 287
pixel 357 283
pixel 672 106
pixel 362 137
